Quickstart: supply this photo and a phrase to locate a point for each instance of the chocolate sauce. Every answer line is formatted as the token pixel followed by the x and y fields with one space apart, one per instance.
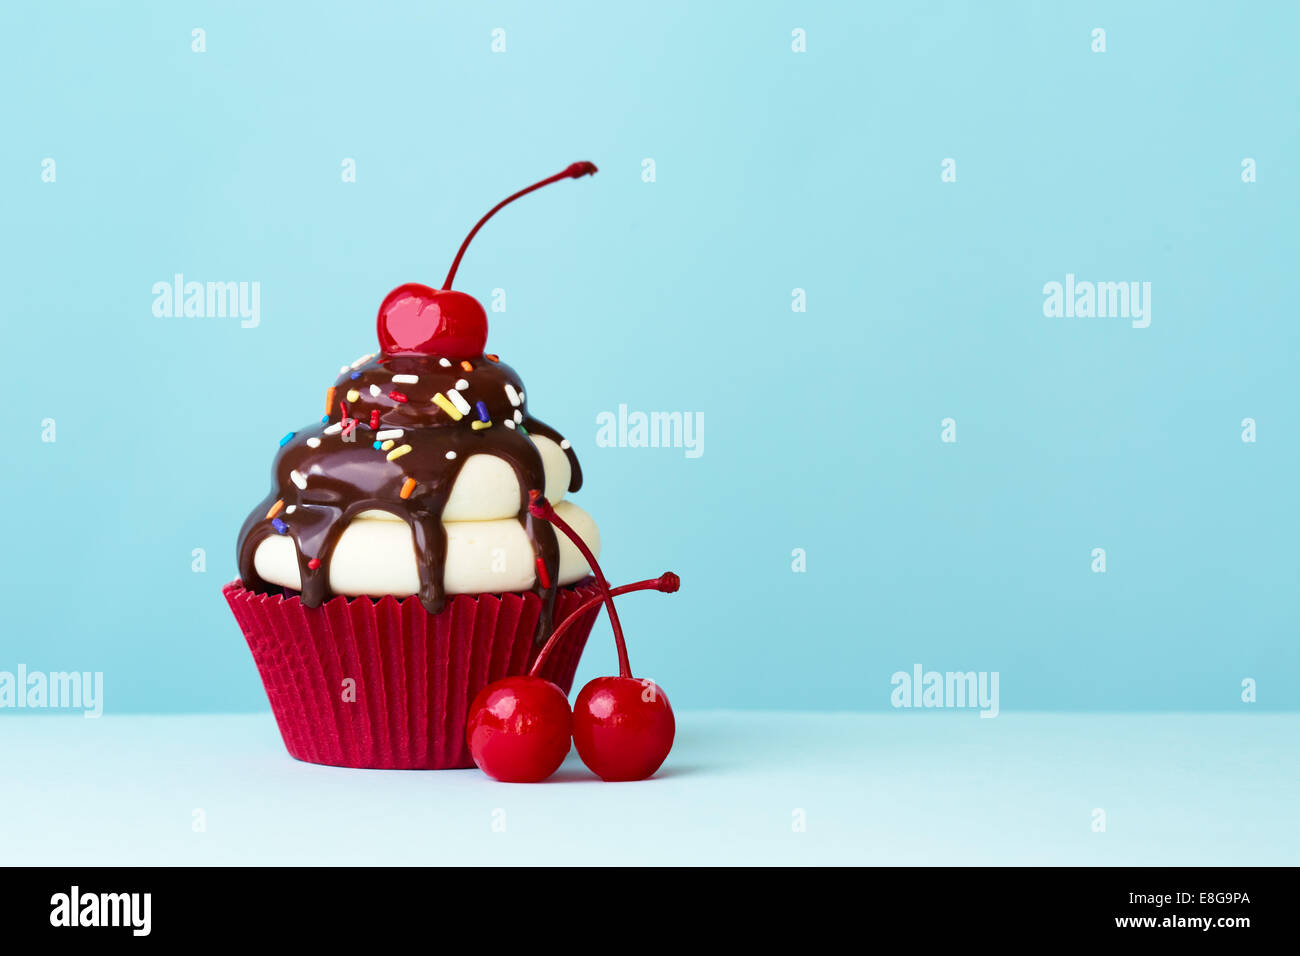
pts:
pixel 330 472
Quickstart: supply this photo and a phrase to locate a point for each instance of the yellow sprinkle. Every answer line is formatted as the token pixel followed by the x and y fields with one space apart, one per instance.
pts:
pixel 441 401
pixel 407 487
pixel 466 366
pixel 387 445
pixel 398 452
pixel 329 400
pixel 353 395
pixel 275 509
pixel 479 426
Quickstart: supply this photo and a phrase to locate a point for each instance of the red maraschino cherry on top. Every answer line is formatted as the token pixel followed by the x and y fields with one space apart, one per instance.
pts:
pixel 622 726
pixel 414 318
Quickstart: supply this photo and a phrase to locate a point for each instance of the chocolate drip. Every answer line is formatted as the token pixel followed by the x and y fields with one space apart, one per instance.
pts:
pixel 325 475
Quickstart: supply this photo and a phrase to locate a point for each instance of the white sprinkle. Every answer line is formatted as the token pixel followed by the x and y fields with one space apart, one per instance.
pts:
pixel 388 433
pixel 564 443
pixel 519 416
pixel 334 429
pixel 457 400
pixel 461 383
pixel 291 509
pixel 512 394
pixel 406 379
pixel 509 423
pixel 444 363
pixel 313 442
pixel 521 398
pixel 451 455
pixel 343 369
pixel 375 391
pixel 298 478
pixel 363 360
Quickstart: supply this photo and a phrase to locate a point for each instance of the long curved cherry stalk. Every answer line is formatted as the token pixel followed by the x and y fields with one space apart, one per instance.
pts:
pixel 572 171
pixel 668 582
pixel 539 507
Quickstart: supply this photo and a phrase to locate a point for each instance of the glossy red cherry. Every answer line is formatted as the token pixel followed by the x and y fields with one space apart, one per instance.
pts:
pixel 623 727
pixel 519 729
pixel 416 318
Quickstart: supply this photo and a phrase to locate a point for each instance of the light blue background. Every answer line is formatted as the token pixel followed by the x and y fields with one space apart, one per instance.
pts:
pixel 775 171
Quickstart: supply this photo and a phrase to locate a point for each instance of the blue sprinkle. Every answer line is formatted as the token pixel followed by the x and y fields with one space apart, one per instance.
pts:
pixel 287 438
pixel 324 419
pixel 355 376
pixel 482 411
pixel 378 445
pixel 279 525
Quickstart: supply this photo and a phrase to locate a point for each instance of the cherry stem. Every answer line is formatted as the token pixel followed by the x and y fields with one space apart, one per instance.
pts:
pixel 539 507
pixel 573 171
pixel 666 582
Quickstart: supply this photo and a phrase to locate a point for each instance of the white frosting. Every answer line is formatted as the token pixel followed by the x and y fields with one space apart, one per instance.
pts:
pixel 375 555
pixel 487 487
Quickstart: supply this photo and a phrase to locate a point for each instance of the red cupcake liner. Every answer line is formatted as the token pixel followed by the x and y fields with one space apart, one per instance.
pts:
pixel 384 684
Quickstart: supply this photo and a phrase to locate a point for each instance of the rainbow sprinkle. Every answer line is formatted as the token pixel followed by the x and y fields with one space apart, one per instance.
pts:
pixel 406 379
pixel 279 525
pixel 354 377
pixel 542 574
pixel 466 366
pixel 479 426
pixel 397 396
pixel 329 399
pixel 482 411
pixel 275 508
pixel 407 487
pixel 461 404
pixel 384 446
pixel 353 395
pixel 299 479
pixel 492 358
pixel 313 564
pixel 287 438
pixel 512 395
pixel 398 452
pixel 441 401
pixel 389 433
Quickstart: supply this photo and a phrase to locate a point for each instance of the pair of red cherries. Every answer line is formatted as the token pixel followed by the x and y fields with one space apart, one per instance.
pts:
pixel 520 727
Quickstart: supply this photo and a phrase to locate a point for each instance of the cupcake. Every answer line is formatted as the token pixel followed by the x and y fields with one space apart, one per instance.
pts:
pixel 394 570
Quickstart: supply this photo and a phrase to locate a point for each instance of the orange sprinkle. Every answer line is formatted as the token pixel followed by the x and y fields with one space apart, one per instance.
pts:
pixel 275 509
pixel 466 366
pixel 407 487
pixel 492 358
pixel 329 400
